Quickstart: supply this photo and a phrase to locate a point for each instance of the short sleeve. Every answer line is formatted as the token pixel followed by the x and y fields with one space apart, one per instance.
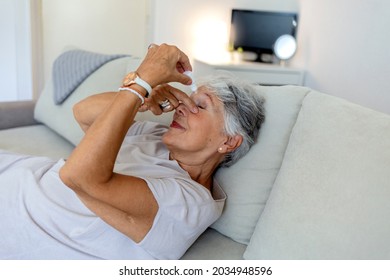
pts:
pixel 186 209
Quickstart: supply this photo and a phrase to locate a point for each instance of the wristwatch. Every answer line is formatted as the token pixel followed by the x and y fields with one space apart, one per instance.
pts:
pixel 133 78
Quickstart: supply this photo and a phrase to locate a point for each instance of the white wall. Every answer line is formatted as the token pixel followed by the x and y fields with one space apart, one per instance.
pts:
pixel 200 28
pixel 15 55
pixel 105 26
pixel 344 45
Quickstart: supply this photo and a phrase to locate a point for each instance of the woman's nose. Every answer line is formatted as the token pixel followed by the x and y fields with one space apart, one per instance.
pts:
pixel 182 109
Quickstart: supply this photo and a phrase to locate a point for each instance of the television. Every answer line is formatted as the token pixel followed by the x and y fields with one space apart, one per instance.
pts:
pixel 257 31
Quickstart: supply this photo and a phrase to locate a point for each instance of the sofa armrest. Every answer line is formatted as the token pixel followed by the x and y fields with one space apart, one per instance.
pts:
pixel 15 114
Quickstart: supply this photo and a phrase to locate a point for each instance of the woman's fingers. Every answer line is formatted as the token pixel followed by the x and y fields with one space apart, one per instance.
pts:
pixel 163 64
pixel 182 97
pixel 162 100
pixel 165 98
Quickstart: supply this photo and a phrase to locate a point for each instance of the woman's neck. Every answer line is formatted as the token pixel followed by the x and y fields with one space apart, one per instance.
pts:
pixel 201 172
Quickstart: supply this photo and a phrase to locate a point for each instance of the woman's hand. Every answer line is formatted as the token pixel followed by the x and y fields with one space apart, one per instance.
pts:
pixel 163 64
pixel 171 96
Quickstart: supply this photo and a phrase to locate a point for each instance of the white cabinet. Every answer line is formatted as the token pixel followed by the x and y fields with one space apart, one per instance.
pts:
pixel 260 73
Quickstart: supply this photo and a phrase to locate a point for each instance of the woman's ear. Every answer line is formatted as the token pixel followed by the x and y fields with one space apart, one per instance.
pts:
pixel 232 143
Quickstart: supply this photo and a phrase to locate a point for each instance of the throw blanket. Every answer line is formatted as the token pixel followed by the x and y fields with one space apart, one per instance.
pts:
pixel 71 68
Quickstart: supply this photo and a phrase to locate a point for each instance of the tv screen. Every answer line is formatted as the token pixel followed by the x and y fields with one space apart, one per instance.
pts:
pixel 257 31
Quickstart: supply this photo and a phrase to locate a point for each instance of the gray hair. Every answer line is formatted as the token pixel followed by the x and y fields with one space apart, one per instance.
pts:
pixel 244 111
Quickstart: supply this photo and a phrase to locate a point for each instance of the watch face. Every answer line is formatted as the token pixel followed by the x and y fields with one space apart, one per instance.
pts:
pixel 129 79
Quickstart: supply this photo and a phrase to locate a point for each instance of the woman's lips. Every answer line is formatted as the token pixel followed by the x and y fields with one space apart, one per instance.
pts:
pixel 175 124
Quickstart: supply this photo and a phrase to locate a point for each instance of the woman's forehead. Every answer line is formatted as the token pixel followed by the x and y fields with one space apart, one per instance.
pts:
pixel 205 94
pixel 203 91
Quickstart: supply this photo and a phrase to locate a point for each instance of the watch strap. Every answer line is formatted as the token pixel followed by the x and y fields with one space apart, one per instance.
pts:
pixel 143 84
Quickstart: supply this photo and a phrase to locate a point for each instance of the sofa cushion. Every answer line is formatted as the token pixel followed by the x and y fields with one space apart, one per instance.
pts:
pixel 331 197
pixel 38 140
pixel 248 182
pixel 60 117
pixel 72 67
pixel 223 248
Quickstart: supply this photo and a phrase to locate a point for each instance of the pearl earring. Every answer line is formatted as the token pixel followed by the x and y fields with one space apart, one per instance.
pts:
pixel 220 149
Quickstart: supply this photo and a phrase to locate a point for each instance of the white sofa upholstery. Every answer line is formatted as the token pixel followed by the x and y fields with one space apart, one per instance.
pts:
pixel 315 186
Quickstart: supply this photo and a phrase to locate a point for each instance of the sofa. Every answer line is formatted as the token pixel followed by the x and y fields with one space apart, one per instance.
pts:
pixel 316 185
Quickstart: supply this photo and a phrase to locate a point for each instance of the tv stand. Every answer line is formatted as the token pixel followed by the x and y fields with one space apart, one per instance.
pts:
pixel 263 58
pixel 259 73
pixel 258 56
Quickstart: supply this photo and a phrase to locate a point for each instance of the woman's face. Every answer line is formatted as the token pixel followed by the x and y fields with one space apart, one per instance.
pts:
pixel 198 133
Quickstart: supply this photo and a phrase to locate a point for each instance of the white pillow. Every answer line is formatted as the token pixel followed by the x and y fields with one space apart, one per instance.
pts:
pixel 331 199
pixel 248 182
pixel 60 117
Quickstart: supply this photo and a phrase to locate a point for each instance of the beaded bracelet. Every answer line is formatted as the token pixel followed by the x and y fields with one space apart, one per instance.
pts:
pixel 134 92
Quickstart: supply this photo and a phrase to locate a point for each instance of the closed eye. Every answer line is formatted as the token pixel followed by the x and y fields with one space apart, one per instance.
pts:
pixel 202 100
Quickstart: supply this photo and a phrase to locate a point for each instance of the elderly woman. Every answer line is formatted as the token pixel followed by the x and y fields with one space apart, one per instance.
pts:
pixel 131 190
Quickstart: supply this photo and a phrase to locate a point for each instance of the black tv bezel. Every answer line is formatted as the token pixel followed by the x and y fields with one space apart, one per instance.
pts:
pixel 258 50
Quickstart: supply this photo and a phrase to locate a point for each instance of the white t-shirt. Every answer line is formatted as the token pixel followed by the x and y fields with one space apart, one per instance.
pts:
pixel 41 218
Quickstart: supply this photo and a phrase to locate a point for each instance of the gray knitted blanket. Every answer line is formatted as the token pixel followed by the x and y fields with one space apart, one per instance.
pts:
pixel 71 68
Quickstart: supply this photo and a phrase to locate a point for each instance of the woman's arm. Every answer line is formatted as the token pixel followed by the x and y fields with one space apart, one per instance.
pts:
pixel 87 110
pixel 118 199
pixel 125 202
